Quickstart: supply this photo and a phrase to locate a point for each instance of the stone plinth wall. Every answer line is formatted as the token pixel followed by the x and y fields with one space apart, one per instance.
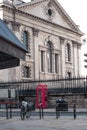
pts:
pixel 80 100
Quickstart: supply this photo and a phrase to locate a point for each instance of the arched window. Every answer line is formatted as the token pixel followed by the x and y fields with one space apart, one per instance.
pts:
pixel 68 52
pixel 69 74
pixel 49 56
pixel 26 72
pixel 25 38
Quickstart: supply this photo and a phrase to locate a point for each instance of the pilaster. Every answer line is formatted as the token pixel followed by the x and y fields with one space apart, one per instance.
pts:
pixel 62 57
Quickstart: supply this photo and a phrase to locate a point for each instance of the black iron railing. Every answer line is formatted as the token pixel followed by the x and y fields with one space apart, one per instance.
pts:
pixel 55 86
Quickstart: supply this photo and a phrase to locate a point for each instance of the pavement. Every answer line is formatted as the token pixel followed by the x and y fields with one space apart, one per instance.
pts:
pixel 46 123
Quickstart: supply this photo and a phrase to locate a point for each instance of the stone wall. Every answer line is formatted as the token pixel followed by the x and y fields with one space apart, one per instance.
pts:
pixel 80 100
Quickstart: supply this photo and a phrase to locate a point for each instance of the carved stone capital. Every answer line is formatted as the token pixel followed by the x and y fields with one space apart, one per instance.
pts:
pixel 35 32
pixel 15 26
pixel 62 39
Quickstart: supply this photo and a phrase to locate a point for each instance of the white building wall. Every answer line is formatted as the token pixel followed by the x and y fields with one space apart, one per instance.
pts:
pixel 83 51
pixel 40 32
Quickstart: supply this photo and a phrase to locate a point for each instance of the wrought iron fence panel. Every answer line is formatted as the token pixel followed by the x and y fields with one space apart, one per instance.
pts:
pixel 55 86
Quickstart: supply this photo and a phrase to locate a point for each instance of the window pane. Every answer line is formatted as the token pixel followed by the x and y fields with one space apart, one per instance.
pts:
pixel 42 61
pixel 25 38
pixel 51 61
pixel 49 56
pixel 56 63
pixel 68 53
pixel 26 72
pixel 69 74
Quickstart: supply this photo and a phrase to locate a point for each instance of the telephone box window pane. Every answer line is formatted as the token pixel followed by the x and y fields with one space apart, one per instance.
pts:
pixel 39 97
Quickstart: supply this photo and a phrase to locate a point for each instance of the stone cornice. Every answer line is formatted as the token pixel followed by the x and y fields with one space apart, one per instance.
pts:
pixel 38 19
pixel 79 43
pixel 47 22
pixel 62 38
pixel 75 42
pixel 29 3
pixel 60 9
pixel 66 16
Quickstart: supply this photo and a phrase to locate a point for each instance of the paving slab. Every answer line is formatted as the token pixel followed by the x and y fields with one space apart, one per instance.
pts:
pixel 47 123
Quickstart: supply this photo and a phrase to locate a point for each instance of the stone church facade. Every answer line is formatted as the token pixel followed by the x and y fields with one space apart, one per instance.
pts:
pixel 50 35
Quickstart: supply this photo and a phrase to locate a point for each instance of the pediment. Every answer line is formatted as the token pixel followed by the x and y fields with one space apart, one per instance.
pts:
pixel 50 10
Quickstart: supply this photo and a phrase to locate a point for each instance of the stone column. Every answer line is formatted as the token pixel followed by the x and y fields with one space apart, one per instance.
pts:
pixel 62 58
pixel 75 58
pixel 79 59
pixel 35 52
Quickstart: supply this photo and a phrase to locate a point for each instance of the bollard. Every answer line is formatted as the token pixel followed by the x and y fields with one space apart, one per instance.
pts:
pixel 57 114
pixel 74 114
pixel 10 111
pixel 40 113
pixel 74 111
pixel 6 111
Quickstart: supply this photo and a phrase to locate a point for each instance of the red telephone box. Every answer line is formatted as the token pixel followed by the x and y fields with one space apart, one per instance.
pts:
pixel 41 96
